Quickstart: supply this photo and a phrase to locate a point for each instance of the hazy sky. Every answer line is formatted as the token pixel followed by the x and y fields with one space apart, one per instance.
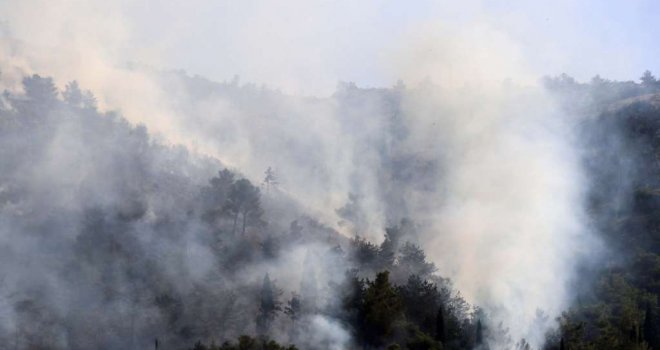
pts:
pixel 306 46
pixel 291 43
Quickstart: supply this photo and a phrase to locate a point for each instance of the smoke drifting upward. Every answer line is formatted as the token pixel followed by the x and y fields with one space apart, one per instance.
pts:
pixel 473 149
pixel 511 228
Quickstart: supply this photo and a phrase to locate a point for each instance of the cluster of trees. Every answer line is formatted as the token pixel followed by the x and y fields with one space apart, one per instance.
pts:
pixel 599 94
pixel 244 343
pixel 619 309
pixel 235 199
pixel 125 240
pixel 111 239
pixel 404 305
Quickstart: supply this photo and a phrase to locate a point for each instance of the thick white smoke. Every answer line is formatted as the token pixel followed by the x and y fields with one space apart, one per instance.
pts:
pixel 505 218
pixel 511 226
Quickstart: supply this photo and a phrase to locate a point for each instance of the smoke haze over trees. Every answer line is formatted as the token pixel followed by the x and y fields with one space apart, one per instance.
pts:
pixel 468 203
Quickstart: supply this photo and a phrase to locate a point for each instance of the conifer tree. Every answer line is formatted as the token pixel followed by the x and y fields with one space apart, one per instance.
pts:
pixel 268 305
pixel 479 336
pixel 382 306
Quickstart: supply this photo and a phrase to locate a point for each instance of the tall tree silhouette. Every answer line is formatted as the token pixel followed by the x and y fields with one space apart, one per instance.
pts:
pixel 651 328
pixel 269 305
pixel 244 202
pixel 479 334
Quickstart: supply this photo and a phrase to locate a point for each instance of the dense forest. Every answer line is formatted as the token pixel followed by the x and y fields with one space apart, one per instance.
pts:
pixel 114 239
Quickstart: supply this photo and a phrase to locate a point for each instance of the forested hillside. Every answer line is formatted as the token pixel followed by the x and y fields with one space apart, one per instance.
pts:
pixel 112 239
pixel 619 307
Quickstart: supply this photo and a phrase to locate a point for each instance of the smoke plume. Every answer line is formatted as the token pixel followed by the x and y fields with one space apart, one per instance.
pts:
pixel 467 144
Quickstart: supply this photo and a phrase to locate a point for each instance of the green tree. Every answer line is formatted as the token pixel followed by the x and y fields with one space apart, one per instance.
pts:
pixel 420 299
pixel 418 340
pixel 352 301
pixel 382 307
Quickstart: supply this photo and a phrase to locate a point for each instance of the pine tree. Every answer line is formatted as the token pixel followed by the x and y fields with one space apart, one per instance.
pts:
pixel 420 299
pixel 382 306
pixel 479 335
pixel 268 305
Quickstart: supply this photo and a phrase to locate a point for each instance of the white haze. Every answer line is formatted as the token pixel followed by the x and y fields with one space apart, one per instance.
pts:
pixel 505 218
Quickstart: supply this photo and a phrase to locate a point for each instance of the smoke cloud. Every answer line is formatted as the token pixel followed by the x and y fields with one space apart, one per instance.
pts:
pixel 469 144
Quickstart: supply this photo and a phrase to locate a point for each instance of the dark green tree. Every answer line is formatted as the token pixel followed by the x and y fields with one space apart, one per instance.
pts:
pixel 420 299
pixel 418 340
pixel 382 307
pixel 352 301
